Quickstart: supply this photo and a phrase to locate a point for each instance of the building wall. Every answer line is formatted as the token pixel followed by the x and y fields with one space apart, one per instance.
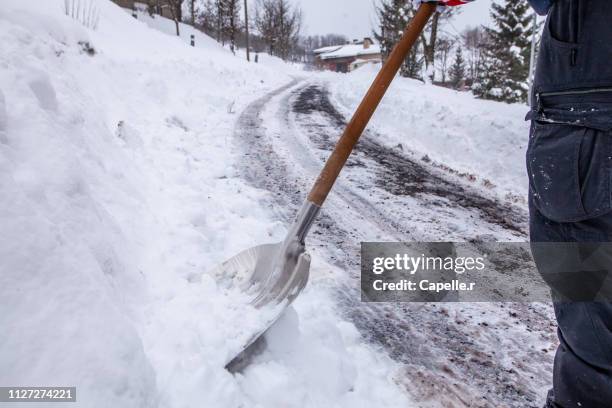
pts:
pixel 343 64
pixel 361 62
pixel 371 57
pixel 336 64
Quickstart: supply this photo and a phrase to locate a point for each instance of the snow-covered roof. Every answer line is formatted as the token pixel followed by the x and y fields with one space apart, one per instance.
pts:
pixel 351 50
pixel 327 49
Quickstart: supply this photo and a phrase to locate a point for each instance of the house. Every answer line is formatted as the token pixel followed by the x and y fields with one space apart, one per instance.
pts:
pixel 348 57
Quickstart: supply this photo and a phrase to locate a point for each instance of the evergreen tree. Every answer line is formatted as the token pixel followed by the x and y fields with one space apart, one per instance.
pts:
pixel 505 70
pixel 393 16
pixel 457 73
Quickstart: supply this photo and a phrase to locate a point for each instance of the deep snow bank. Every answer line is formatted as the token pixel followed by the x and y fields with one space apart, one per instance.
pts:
pixel 117 193
pixel 481 138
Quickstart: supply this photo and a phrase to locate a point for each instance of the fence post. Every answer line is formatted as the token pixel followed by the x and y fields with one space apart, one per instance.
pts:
pixel 192 40
pixel 246 25
pixel 532 60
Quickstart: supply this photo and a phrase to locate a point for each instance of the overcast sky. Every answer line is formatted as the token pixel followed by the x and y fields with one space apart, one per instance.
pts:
pixel 357 18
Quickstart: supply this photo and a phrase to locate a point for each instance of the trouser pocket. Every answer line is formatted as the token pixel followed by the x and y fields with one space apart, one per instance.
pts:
pixel 565 20
pixel 569 171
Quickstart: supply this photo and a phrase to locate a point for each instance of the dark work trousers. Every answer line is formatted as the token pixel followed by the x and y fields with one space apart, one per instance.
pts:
pixel 583 364
pixel 569 160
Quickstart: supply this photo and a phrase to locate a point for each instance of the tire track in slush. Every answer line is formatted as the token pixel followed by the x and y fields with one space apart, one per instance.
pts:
pixel 442 354
pixel 400 175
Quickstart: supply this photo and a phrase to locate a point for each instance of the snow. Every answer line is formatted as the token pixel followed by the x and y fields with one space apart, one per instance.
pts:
pixel 205 42
pixel 351 50
pixel 486 140
pixel 327 49
pixel 3 119
pixel 169 27
pixel 500 362
pixel 118 191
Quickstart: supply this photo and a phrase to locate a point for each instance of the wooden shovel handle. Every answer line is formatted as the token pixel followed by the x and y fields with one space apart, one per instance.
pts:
pixel 368 106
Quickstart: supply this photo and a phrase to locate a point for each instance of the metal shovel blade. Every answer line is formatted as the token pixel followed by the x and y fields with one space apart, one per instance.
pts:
pixel 272 275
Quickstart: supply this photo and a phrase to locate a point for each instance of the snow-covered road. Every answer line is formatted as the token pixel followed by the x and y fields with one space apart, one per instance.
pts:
pixel 472 355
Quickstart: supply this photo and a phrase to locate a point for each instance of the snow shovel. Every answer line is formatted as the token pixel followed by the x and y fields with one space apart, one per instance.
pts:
pixel 275 274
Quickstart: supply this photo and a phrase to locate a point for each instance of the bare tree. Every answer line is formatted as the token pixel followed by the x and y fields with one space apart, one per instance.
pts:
pixel 176 11
pixel 445 45
pixel 207 18
pixel 231 21
pixel 473 41
pixel 313 42
pixel 289 23
pixel 220 6
pixel 429 37
pixel 193 11
pixel 393 16
pixel 265 16
pixel 279 24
